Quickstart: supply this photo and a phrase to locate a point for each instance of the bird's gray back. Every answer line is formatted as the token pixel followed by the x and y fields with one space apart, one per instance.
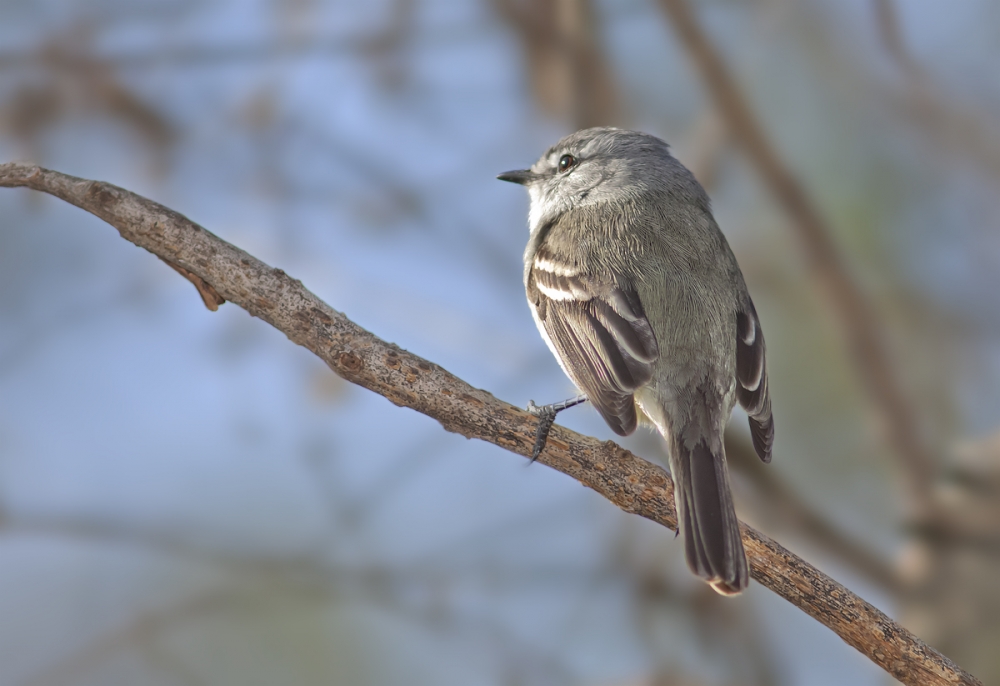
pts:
pixel 652 239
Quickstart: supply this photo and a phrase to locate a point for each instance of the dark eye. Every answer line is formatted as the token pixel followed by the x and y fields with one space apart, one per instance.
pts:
pixel 566 162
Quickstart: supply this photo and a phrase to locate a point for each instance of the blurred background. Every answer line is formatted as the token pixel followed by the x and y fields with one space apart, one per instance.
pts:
pixel 186 498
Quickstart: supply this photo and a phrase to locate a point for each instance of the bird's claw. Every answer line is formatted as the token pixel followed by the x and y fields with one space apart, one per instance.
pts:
pixel 546 418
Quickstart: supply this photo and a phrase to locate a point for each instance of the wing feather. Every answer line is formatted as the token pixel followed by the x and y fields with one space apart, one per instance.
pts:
pixel 600 332
pixel 751 376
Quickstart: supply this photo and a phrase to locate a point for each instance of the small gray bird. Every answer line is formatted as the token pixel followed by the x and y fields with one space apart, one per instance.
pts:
pixel 638 295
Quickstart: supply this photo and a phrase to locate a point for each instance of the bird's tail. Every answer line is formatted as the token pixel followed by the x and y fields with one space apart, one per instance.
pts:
pixel 707 519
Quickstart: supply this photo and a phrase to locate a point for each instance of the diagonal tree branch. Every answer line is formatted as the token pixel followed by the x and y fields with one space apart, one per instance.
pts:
pixel 631 483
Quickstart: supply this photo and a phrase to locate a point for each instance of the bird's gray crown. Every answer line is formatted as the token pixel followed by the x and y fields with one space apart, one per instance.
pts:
pixel 599 165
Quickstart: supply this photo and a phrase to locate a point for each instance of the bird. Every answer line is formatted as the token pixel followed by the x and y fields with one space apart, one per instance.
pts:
pixel 637 293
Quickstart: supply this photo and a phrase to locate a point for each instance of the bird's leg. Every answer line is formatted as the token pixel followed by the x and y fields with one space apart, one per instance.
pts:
pixel 546 417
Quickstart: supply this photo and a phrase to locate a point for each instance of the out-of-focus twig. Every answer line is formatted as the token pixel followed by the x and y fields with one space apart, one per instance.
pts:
pixel 77 80
pixel 146 626
pixel 631 483
pixel 921 101
pixel 211 55
pixel 849 306
pixel 569 73
pixel 887 21
pixel 957 581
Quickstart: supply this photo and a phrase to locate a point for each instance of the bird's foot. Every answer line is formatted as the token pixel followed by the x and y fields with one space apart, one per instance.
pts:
pixel 546 418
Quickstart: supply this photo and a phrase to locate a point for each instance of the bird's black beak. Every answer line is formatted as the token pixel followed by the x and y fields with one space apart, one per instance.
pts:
pixel 521 176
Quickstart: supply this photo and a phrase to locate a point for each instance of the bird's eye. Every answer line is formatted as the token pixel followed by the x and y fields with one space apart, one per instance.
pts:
pixel 566 162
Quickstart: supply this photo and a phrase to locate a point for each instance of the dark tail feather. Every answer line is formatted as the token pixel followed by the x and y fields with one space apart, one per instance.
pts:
pixel 707 518
pixel 762 433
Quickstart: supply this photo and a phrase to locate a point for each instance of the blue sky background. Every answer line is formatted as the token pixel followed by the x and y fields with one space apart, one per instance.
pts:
pixel 187 498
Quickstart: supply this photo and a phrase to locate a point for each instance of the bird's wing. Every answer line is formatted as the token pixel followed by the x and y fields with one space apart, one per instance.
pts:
pixel 751 377
pixel 599 330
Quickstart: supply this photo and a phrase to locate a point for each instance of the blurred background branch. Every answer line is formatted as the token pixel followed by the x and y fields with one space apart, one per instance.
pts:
pixel 355 145
pixel 568 70
pixel 846 302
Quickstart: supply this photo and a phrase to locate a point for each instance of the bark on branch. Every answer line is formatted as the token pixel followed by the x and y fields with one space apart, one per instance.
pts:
pixel 631 483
